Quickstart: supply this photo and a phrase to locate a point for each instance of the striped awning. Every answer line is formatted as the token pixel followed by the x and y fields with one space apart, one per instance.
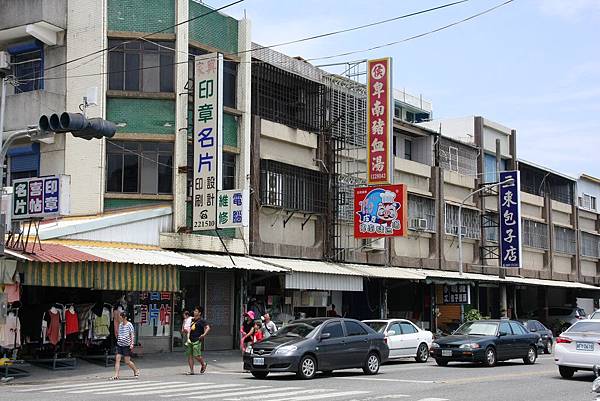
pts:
pixel 101 276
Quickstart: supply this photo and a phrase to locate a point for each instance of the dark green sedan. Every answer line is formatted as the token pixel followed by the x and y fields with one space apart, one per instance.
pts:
pixel 487 342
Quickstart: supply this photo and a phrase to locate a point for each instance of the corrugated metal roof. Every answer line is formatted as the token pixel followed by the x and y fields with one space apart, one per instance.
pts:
pixel 326 282
pixel 551 283
pixel 443 274
pixel 54 253
pixel 387 272
pixel 138 256
pixel 311 266
pixel 224 261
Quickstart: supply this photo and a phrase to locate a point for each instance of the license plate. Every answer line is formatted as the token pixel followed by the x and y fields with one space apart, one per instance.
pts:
pixel 446 352
pixel 584 347
pixel 258 361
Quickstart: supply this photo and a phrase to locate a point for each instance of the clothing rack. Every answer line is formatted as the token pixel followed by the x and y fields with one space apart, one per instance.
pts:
pixel 56 363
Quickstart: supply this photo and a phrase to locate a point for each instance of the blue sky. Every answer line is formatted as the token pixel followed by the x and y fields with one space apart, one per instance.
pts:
pixel 532 65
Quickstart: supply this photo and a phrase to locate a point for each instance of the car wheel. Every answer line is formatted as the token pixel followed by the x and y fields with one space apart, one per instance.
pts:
pixel 566 372
pixel 548 347
pixel 441 362
pixel 307 367
pixel 490 357
pixel 422 353
pixel 531 356
pixel 260 375
pixel 372 363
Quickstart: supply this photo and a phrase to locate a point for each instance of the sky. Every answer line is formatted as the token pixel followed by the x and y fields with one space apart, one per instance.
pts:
pixel 531 65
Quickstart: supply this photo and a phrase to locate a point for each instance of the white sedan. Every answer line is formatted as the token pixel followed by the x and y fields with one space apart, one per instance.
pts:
pixel 578 348
pixel 404 338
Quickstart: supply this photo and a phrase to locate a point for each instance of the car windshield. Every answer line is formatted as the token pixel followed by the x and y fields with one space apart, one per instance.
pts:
pixel 377 326
pixel 477 329
pixel 595 315
pixel 297 329
pixel 585 327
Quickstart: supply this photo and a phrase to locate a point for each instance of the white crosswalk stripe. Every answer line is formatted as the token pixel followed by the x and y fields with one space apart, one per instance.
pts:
pixel 277 394
pixel 322 396
pixel 187 389
pixel 125 389
pixel 63 387
pixel 216 394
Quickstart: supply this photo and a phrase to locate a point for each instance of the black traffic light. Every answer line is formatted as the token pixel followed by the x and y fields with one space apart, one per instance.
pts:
pixel 78 125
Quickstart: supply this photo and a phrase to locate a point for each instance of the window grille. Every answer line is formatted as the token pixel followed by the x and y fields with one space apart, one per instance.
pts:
pixel 490 227
pixel 590 245
pixel 535 234
pixel 292 188
pixel 421 208
pixel 587 202
pixel 538 182
pixel 29 69
pixel 470 222
pixel 564 240
pixel 454 157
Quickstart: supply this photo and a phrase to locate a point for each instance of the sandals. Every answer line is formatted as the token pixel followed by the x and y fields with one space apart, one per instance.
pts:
pixel 189 373
pixel 203 369
pixel 114 378
pixel 136 374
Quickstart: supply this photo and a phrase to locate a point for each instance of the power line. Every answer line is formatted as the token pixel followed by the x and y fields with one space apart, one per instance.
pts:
pixel 412 37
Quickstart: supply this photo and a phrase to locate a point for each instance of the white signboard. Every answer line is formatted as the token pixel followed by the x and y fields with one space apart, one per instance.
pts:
pixel 40 197
pixel 208 144
pixel 230 208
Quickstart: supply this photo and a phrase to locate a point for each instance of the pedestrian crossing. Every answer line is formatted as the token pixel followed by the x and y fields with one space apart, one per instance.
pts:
pixel 154 389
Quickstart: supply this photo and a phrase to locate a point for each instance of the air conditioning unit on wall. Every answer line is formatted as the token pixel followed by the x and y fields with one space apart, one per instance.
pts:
pixel 419 224
pixel 373 245
pixel 4 61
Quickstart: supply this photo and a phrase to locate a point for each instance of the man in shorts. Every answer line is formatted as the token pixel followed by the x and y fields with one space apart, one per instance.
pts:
pixel 125 342
pixel 193 347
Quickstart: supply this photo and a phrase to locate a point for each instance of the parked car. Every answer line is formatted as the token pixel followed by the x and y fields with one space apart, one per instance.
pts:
pixel 578 348
pixel 403 338
pixel 487 341
pixel 306 346
pixel 595 315
pixel 560 318
pixel 547 339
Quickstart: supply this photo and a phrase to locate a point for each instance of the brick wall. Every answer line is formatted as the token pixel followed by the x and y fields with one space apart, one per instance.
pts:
pixel 141 15
pixel 142 115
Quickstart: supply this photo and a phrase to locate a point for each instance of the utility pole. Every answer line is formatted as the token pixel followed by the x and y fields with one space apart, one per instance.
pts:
pixel 2 111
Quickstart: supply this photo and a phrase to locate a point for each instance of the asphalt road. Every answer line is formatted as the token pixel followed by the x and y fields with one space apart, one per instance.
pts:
pixel 224 381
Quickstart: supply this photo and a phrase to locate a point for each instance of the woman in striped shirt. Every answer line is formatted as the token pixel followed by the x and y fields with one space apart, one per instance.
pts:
pixel 125 342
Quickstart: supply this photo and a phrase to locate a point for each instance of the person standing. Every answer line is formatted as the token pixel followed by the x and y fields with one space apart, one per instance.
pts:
pixel 198 331
pixel 332 312
pixel 269 325
pixel 125 342
pixel 246 330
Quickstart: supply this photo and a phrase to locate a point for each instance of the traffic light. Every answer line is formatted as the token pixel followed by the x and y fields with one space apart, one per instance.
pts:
pixel 78 125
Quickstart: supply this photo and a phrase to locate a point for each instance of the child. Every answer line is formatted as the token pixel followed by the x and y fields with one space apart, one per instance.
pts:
pixel 257 331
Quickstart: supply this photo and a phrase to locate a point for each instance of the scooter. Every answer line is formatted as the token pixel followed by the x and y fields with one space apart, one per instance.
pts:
pixel 596 383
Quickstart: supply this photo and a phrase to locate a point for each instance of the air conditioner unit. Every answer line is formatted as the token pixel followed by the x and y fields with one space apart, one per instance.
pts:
pixel 455 231
pixel 374 245
pixel 4 61
pixel 418 224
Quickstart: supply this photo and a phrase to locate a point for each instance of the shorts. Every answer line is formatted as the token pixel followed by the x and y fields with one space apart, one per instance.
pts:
pixel 123 350
pixel 193 348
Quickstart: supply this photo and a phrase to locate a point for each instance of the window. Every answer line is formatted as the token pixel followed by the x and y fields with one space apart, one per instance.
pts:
pixel 228 167
pixel 27 62
pixel 141 66
pixel 587 202
pixel 408 149
pixel 470 222
pixel 490 168
pixel 229 76
pixel 590 245
pixel 407 328
pixel 453 158
pixel 335 329
pixel 394 139
pixel 564 240
pixel 354 329
pixel 421 208
pixel 396 329
pixel 535 234
pixel 292 188
pixel 410 117
pixel 139 167
pixel 457 157
pixel 505 328
pixel 489 220
pixel 517 328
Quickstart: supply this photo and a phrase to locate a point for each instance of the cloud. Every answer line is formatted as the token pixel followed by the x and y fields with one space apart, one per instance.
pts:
pixel 569 9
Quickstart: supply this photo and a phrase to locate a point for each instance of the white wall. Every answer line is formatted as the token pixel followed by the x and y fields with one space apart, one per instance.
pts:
pixel 462 128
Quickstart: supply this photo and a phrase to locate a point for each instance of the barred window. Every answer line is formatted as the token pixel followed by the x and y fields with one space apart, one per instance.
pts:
pixel 490 227
pixel 421 213
pixel 564 240
pixel 590 245
pixel 587 202
pixel 470 221
pixel 292 188
pixel 456 157
pixel 535 234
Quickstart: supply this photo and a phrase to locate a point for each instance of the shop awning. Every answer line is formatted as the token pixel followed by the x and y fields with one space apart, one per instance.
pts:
pixel 451 277
pixel 550 283
pixel 225 262
pixel 317 275
pixel 389 272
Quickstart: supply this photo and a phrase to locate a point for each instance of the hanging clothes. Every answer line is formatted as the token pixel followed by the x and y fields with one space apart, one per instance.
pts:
pixel 72 322
pixel 101 324
pixel 11 332
pixel 13 291
pixel 53 332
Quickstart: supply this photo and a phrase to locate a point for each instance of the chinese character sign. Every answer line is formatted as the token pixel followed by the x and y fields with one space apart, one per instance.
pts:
pixel 457 294
pixel 40 197
pixel 380 112
pixel 230 208
pixel 380 211
pixel 208 123
pixel 510 220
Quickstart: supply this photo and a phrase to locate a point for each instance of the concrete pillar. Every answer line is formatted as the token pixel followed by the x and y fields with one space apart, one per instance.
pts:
pixel 244 92
pixel 181 117
pixel 503 301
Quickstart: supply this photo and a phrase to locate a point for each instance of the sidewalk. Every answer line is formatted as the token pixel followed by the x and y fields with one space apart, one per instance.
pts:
pixel 151 366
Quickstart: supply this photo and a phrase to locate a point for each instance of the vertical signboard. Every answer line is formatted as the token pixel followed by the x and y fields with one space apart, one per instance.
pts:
pixel 230 208
pixel 208 144
pixel 40 197
pixel 380 211
pixel 510 220
pixel 380 113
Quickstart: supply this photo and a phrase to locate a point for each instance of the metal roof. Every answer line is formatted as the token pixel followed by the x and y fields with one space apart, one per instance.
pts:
pixel 311 266
pixel 136 256
pixel 551 283
pixel 387 272
pixel 54 253
pixel 224 261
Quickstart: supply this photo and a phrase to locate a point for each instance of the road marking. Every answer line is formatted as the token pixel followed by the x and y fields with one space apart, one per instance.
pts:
pixel 321 396
pixel 130 387
pixel 277 394
pixel 64 386
pixel 387 397
pixel 155 387
pixel 433 399
pixel 213 394
pixel 387 380
pixel 496 377
pixel 187 387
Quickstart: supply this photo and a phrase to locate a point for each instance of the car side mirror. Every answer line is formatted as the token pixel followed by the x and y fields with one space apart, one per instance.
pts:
pixel 391 333
pixel 533 330
pixel 502 334
pixel 325 336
